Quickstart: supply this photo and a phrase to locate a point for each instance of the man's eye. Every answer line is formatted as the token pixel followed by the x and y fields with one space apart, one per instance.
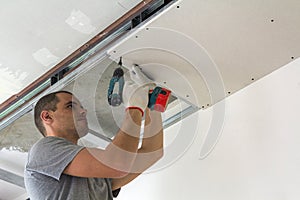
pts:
pixel 70 106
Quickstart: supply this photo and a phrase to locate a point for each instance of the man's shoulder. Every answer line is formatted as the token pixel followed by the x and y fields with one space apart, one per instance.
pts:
pixel 48 142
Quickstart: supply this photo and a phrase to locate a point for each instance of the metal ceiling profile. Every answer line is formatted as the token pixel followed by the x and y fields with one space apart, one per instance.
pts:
pixel 12 178
pixel 21 103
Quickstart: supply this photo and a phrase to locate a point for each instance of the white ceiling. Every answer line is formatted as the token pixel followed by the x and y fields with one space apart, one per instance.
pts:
pixel 214 48
pixel 35 35
pixel 208 50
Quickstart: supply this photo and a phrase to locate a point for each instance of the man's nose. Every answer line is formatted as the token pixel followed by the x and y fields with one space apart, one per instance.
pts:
pixel 83 111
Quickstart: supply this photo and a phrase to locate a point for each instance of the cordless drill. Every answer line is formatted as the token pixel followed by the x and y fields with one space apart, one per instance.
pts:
pixel 158 97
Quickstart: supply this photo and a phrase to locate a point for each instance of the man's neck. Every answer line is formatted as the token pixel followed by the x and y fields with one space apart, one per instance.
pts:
pixel 72 138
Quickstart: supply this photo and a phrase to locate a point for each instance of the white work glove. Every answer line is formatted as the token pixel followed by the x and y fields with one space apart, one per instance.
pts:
pixel 136 89
pixel 140 78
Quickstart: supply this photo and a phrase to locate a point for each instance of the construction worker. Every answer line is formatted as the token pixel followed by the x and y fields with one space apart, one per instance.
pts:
pixel 58 168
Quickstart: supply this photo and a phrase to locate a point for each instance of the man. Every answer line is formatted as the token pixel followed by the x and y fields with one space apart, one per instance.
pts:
pixel 58 168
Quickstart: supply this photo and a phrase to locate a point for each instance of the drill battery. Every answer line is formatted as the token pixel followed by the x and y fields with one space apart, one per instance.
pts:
pixel 158 99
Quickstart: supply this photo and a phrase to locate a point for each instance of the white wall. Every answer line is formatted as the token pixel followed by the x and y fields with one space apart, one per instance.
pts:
pixel 256 158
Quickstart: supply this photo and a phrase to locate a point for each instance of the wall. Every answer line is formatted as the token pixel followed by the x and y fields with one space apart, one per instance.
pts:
pixel 257 156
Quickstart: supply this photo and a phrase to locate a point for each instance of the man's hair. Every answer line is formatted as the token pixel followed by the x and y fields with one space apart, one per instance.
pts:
pixel 47 102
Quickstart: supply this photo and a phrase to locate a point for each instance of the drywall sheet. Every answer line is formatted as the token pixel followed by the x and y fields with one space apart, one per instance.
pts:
pixel 206 50
pixel 36 35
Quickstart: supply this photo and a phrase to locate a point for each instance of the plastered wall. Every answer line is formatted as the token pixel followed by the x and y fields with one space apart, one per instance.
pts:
pixel 257 156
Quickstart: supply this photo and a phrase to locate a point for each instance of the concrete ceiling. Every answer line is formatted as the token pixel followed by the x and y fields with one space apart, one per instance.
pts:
pixel 242 40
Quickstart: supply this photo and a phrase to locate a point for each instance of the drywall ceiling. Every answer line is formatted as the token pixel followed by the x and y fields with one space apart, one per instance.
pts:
pixel 214 48
pixel 207 50
pixel 35 35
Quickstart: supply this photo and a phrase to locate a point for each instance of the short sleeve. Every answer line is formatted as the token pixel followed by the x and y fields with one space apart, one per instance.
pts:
pixel 51 155
pixel 116 192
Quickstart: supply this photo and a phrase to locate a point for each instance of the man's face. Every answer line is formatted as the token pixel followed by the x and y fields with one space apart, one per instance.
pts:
pixel 70 116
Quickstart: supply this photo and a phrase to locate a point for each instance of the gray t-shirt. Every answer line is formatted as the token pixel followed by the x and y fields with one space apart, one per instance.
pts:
pixel 44 178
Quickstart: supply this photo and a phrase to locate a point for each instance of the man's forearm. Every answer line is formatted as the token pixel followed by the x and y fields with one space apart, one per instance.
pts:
pixel 149 153
pixel 128 136
pixel 152 144
pixel 153 132
pixel 151 149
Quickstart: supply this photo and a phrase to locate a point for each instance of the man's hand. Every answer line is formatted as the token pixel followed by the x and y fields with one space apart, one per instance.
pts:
pixel 136 89
pixel 140 78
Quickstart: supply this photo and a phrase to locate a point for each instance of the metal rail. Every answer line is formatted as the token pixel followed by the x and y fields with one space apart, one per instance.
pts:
pixel 12 178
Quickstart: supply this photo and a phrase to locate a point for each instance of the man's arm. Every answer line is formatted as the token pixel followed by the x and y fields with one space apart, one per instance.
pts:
pixel 149 153
pixel 117 159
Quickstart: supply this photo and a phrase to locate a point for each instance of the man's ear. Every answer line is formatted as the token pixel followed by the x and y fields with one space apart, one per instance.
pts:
pixel 46 117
